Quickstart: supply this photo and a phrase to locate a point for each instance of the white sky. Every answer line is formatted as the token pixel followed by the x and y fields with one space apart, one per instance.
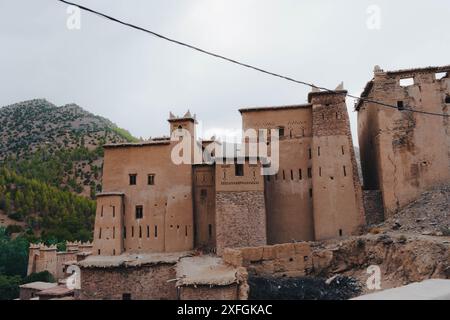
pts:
pixel 134 79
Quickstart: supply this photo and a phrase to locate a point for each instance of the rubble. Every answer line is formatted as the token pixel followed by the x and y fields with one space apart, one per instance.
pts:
pixel 429 215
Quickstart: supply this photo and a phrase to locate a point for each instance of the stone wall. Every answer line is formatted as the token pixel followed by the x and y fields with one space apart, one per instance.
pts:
pixel 373 206
pixel 240 219
pixel 230 292
pixel 141 283
pixel 281 260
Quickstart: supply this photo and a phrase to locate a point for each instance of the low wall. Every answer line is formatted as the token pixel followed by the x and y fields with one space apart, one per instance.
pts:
pixel 281 260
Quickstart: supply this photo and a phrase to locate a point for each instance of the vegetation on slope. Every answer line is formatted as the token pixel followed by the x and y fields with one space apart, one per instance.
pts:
pixel 61 146
pixel 48 155
pixel 48 211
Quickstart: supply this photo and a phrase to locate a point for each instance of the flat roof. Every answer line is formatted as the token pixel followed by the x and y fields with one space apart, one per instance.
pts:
pixel 39 285
pixel 270 108
pixel 132 260
pixel 57 291
pixel 205 270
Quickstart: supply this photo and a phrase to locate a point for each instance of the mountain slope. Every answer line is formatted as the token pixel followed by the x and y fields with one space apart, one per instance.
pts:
pixel 60 146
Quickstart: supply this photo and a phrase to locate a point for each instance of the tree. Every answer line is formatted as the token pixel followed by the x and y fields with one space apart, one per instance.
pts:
pixel 7 206
pixel 13 255
pixel 9 287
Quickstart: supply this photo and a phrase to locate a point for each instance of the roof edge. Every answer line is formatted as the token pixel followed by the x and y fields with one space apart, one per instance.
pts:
pixel 270 108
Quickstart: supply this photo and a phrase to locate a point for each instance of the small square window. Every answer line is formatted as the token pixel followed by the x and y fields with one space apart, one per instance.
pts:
pixel 400 105
pixel 447 99
pixel 441 75
pixel 139 212
pixel 203 193
pixel 126 296
pixel 281 131
pixel 151 179
pixel 133 179
pixel 239 170
pixel 406 82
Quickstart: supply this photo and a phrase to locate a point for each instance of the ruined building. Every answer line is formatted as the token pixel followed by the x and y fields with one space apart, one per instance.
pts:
pixel 403 153
pixel 151 204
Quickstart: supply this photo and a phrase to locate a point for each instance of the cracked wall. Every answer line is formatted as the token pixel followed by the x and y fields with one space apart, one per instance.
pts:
pixel 404 153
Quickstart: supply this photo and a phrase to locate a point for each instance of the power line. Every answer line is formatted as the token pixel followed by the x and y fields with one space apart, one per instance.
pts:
pixel 103 15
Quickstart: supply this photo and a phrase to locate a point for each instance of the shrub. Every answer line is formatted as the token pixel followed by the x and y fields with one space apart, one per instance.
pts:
pixel 9 287
pixel 44 276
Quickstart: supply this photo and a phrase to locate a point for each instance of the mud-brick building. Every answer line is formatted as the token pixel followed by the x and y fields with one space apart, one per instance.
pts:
pixel 405 149
pixel 316 193
pixel 151 203
pixel 154 207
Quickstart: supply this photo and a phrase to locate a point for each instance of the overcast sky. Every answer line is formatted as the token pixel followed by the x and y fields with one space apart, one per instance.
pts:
pixel 135 79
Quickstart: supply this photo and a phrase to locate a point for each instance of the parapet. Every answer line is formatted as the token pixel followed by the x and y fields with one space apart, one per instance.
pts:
pixel 319 94
pixel 187 117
